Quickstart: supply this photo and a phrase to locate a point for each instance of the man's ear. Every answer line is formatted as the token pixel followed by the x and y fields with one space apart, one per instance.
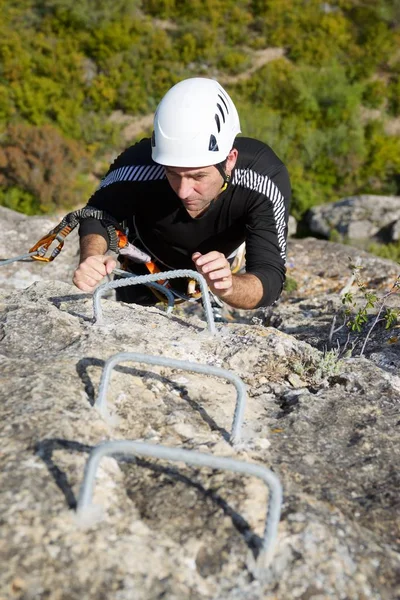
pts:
pixel 231 161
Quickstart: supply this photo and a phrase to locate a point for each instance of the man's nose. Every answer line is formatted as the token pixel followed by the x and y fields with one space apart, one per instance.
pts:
pixel 184 189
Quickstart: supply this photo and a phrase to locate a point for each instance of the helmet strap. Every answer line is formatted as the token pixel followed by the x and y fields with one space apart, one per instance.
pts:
pixel 224 176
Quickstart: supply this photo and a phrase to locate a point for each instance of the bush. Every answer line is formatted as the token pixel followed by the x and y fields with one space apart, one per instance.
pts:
pixel 40 170
pixel 391 251
pixel 394 95
pixel 233 62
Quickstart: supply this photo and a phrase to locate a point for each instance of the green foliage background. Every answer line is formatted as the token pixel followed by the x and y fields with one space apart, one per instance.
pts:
pixel 327 106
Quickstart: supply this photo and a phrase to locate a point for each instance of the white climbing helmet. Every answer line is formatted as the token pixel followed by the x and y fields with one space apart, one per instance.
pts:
pixel 195 125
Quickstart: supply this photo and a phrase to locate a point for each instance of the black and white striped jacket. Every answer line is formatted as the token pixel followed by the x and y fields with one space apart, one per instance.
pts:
pixel 253 209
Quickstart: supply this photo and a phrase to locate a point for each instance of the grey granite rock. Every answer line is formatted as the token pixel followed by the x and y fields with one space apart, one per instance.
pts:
pixel 162 530
pixel 356 217
pixel 292 229
pixel 327 427
pixel 395 231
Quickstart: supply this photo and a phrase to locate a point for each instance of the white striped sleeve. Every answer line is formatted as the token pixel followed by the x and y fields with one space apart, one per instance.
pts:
pixel 133 173
pixel 264 185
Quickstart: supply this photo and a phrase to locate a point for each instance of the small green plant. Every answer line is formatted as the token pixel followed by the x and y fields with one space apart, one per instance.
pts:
pixel 290 285
pixel 318 368
pixel 329 365
pixel 357 312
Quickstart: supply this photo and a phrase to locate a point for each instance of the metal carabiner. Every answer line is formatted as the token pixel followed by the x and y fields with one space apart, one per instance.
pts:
pixel 122 239
pixel 45 242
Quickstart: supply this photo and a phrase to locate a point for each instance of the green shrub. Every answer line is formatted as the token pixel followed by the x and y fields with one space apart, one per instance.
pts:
pixel 290 285
pixel 391 251
pixel 20 200
pixel 374 94
pixel 40 170
pixel 394 95
pixel 233 61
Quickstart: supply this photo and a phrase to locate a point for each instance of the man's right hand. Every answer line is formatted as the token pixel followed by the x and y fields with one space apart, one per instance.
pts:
pixel 92 270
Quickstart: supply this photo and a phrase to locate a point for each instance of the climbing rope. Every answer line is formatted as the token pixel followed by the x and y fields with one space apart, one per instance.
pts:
pixel 17 258
pixel 118 242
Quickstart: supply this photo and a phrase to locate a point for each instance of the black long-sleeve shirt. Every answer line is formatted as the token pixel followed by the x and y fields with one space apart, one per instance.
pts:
pixel 253 208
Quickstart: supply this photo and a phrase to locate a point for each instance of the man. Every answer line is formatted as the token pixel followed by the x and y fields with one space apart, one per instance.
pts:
pixel 191 196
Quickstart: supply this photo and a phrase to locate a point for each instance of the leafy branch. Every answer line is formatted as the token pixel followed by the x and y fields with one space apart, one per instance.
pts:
pixel 356 316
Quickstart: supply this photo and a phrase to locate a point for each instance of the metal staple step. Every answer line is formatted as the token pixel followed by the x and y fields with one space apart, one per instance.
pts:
pixel 160 288
pixel 191 457
pixel 143 279
pixel 101 401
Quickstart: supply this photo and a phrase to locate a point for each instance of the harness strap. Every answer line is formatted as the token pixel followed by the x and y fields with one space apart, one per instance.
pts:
pixel 112 226
pixel 117 236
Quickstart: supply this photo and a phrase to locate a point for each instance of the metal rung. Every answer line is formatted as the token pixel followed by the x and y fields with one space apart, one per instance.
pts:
pixel 143 279
pixel 160 288
pixel 101 401
pixel 198 459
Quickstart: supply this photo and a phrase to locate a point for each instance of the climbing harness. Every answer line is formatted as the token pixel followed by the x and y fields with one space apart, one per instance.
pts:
pixel 118 238
pixel 118 243
pixel 154 286
pixel 138 256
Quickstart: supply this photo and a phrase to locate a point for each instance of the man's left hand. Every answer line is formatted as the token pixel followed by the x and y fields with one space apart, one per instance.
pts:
pixel 216 270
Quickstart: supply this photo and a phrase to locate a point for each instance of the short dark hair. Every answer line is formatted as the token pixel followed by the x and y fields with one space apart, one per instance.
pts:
pixel 222 164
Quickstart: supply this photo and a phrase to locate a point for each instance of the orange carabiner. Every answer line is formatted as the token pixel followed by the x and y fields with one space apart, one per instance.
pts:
pixel 122 239
pixel 152 268
pixel 45 242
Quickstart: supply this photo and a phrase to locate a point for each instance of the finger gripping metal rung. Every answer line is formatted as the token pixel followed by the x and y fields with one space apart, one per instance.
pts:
pixel 101 401
pixel 198 459
pixel 143 279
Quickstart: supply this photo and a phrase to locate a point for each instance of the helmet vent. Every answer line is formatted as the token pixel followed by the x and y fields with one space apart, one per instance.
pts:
pixel 218 122
pixel 213 145
pixel 225 104
pixel 153 140
pixel 221 111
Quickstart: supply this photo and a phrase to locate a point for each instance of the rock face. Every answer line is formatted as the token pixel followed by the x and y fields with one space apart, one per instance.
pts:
pixel 357 218
pixel 19 233
pixel 292 226
pixel 327 427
